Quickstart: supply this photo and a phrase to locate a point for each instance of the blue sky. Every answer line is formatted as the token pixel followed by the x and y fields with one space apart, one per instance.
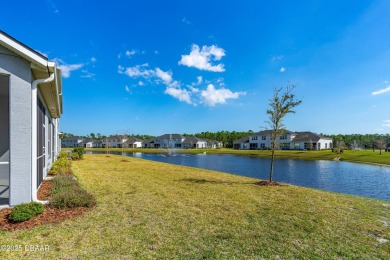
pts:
pixel 155 67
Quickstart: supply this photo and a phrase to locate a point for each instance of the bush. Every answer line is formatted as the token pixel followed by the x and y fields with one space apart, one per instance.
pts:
pixel 25 211
pixel 61 166
pixel 67 193
pixel 80 151
pixel 63 155
pixel 75 156
pixel 72 198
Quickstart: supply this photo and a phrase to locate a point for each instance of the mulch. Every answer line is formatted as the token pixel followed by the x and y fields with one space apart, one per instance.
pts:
pixel 272 183
pixel 49 215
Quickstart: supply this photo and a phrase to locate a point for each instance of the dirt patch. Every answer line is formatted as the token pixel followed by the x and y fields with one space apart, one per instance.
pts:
pixel 44 190
pixel 49 215
pixel 267 183
pixel 124 160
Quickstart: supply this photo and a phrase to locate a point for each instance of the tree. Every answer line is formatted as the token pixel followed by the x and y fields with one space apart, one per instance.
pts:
pixel 282 103
pixel 381 144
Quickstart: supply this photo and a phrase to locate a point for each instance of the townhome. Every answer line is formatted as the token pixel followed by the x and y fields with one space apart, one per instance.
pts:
pixel 76 141
pixel 169 141
pixel 116 141
pixel 288 141
pixel 30 109
pixel 132 142
pixel 194 142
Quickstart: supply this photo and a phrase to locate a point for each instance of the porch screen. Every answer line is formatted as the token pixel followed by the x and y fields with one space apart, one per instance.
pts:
pixel 4 139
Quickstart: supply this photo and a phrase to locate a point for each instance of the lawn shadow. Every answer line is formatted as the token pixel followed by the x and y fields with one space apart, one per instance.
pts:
pixel 204 181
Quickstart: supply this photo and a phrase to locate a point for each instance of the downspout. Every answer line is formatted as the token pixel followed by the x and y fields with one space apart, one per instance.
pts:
pixel 34 141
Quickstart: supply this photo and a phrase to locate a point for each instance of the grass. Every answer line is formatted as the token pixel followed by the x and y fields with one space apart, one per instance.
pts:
pixel 153 210
pixel 369 156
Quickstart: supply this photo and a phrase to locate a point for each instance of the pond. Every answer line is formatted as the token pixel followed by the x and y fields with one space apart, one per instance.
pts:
pixel 370 181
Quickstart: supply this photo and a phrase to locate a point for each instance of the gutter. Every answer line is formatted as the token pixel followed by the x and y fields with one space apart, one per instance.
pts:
pixel 34 141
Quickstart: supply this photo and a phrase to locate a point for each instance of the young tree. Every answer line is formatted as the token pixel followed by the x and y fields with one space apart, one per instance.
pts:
pixel 282 103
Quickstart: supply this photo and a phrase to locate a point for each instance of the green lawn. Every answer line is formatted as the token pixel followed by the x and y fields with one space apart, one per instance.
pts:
pixel 155 210
pixel 362 156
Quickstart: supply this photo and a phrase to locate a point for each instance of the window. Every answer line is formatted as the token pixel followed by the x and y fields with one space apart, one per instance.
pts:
pixel 264 137
pixel 262 145
pixel 253 146
pixel 283 137
pixel 254 138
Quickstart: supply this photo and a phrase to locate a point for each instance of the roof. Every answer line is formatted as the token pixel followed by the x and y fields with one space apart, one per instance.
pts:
pixel 269 132
pixel 132 140
pixel 192 139
pixel 41 68
pixel 242 140
pixel 148 141
pixel 308 137
pixel 168 136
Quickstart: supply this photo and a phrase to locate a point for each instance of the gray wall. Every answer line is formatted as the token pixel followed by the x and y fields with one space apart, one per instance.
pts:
pixel 20 122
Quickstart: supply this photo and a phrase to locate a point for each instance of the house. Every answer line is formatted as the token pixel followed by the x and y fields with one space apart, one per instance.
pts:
pixel 287 141
pixel 148 143
pixel 214 144
pixel 241 144
pixel 30 109
pixel 169 141
pixel 116 141
pixel 132 142
pixel 194 142
pixel 76 141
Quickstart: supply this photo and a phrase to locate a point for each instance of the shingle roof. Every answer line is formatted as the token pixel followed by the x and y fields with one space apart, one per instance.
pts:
pixel 192 139
pixel 242 140
pixel 306 137
pixel 269 132
pixel 167 136
pixel 132 140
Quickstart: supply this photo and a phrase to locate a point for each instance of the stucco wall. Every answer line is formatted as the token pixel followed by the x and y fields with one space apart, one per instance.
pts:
pixel 20 125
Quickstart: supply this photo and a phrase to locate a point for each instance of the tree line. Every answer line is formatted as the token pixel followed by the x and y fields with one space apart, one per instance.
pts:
pixel 350 141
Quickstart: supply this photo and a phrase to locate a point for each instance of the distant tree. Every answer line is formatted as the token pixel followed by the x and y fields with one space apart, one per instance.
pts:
pixel 381 144
pixel 92 135
pixel 281 104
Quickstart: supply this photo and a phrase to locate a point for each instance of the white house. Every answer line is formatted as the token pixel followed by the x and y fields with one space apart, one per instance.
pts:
pixel 132 142
pixel 194 142
pixel 30 108
pixel 76 141
pixel 169 141
pixel 288 141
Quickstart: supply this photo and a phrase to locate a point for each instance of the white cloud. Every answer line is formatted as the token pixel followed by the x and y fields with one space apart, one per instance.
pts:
pixel 165 76
pixel 87 74
pixel 130 53
pixel 282 69
pixel 212 96
pixel 137 71
pixel 127 88
pixel 93 59
pixel 386 123
pixel 156 52
pixel 66 69
pixel 179 93
pixel 381 91
pixel 276 58
pixel 201 58
pixel 189 93
pixel 186 21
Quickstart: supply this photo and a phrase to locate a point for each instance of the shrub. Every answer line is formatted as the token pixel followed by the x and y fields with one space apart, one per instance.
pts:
pixel 61 166
pixel 25 211
pixel 80 151
pixel 67 193
pixel 72 198
pixel 75 156
pixel 63 155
